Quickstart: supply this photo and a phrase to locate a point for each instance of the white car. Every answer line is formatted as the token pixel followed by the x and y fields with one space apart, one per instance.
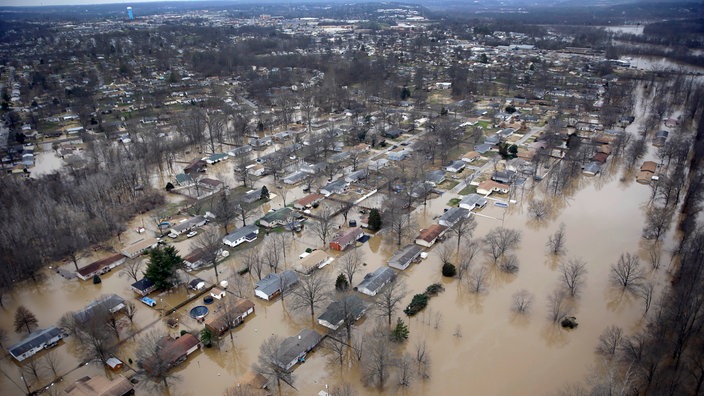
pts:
pixel 191 234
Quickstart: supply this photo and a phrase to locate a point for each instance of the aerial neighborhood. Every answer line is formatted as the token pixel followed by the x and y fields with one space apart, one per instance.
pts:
pixel 258 199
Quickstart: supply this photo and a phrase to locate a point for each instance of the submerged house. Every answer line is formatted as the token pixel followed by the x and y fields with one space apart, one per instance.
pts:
pixel 375 281
pixel 315 260
pixel 405 256
pixel 294 349
pixel 453 216
pixel 472 201
pixel 230 316
pixel 341 241
pixel 172 352
pixel 100 267
pixel 272 285
pixel 36 341
pixel 349 309
pixel 241 235
pixel 428 236
pixel 100 386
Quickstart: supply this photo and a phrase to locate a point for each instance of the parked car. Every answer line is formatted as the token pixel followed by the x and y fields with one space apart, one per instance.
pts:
pixel 191 234
pixel 148 301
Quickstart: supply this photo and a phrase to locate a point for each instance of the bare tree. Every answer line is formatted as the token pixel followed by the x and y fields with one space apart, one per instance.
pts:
pixel 645 291
pixel 397 219
pixel 610 341
pixel 522 301
pixel 378 359
pixel 572 273
pixel 406 373
pixel 654 254
pixel 468 253
pixel 269 362
pixel 271 255
pixel 627 272
pixel 24 320
pixel 388 300
pixel 241 169
pixel 209 243
pixel 52 361
pixel 657 222
pixel 132 269
pixel 344 389
pixel 557 305
pixel 539 210
pixel 130 310
pixel 509 264
pixel 556 242
pixel 422 359
pixel 152 359
pixel 323 226
pixel 254 263
pixel 337 350
pixel 312 291
pixel 464 228
pixel 477 279
pixel 351 263
pixel 500 241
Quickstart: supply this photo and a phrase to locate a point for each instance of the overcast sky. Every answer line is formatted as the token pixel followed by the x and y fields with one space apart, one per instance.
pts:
pixel 72 2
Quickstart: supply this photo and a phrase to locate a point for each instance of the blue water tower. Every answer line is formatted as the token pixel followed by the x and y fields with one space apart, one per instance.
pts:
pixel 130 15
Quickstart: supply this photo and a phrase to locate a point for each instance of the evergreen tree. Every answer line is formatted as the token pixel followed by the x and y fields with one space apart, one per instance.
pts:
pixel 265 193
pixel 400 332
pixel 374 220
pixel 341 283
pixel 163 263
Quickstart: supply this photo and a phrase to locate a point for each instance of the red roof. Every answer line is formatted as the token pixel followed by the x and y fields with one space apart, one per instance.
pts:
pixel 431 233
pixel 309 199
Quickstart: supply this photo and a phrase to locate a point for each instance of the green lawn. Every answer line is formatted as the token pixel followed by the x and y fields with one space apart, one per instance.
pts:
pixel 470 189
pixel 454 202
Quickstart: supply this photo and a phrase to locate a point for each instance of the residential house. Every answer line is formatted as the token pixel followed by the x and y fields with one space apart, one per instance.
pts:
pixel 435 177
pixel 294 349
pixel 254 384
pixel 336 187
pixel 428 236
pixel 278 217
pixel 489 186
pixel 373 282
pixel 256 170
pixel 308 201
pixel 36 341
pixel 296 177
pixel 356 176
pixel 183 179
pixel 591 168
pixel 187 225
pixel 272 285
pixel 100 385
pixel 196 259
pixel 252 196
pixel 378 164
pixel 483 148
pixel 172 351
pixel 505 133
pixel 647 172
pixel 238 151
pixel 139 247
pixel 492 140
pixel 471 157
pixel 453 216
pixel 505 177
pixel 339 157
pixel 315 260
pixel 143 287
pixel 217 293
pixel 230 316
pixel 344 239
pixel 472 201
pixel 241 235
pixel 393 133
pixel 101 266
pixel 213 185
pixel 660 138
pixel 348 309
pixel 101 307
pixel 405 256
pixel 398 155
pixel 195 166
pixel 456 166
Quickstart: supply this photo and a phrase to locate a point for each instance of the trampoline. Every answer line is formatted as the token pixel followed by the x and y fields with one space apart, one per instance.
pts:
pixel 199 312
pixel 208 300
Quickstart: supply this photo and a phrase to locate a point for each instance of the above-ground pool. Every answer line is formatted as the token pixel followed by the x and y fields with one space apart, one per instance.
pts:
pixel 208 300
pixel 199 312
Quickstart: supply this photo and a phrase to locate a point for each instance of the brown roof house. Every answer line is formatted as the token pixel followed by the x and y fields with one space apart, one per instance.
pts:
pixel 647 172
pixel 344 239
pixel 100 267
pixel 229 317
pixel 172 352
pixel 430 235
pixel 100 386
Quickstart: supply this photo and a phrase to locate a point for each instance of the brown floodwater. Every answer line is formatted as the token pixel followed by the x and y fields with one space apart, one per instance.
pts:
pixel 476 344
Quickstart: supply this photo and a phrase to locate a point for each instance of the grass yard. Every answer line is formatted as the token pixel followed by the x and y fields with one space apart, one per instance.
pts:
pixel 470 189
